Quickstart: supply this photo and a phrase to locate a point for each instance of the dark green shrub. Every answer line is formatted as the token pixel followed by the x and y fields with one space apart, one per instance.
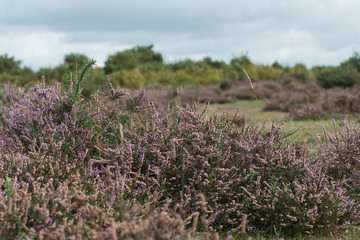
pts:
pixel 243 60
pixel 277 65
pixel 344 76
pixel 354 60
pixel 9 65
pixel 208 62
pixel 75 61
pixel 143 57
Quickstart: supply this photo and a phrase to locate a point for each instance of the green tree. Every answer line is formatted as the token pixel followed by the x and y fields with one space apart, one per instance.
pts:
pixel 344 76
pixel 138 57
pixel 9 65
pixel 277 65
pixel 75 61
pixel 353 60
pixel 208 62
pixel 243 60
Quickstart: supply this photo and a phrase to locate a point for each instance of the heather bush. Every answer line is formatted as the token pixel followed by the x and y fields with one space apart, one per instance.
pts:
pixel 115 167
pixel 311 102
pixel 237 173
pixel 341 151
pixel 40 206
pixel 215 93
pixel 263 89
pixel 293 95
pixel 45 118
pixel 48 193
pixel 336 102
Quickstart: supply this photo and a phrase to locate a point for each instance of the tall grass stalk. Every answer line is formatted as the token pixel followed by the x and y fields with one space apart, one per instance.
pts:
pixel 252 86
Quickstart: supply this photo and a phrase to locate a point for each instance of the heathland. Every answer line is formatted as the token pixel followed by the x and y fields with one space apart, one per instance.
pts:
pixel 143 149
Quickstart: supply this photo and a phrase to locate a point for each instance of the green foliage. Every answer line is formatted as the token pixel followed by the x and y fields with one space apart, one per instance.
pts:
pixel 95 82
pixel 9 188
pixel 261 72
pixel 139 57
pixel 142 66
pixel 345 75
pixel 79 82
pixel 180 65
pixel 354 60
pixel 9 65
pixel 74 61
pixel 243 60
pixel 10 70
pixel 208 62
pixel 300 72
pixel 277 65
pixel 53 74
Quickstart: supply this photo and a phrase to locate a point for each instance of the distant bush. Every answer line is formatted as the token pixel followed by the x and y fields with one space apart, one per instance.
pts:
pixel 293 95
pixel 143 57
pixel 9 65
pixel 354 60
pixel 75 61
pixel 242 60
pixel 344 76
pixel 309 101
pixel 11 70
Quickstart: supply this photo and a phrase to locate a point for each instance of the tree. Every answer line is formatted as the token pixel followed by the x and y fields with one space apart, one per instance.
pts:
pixel 137 57
pixel 243 60
pixel 9 65
pixel 74 61
pixel 353 60
pixel 345 75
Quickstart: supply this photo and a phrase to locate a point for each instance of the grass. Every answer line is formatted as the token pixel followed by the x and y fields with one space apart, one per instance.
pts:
pixel 252 110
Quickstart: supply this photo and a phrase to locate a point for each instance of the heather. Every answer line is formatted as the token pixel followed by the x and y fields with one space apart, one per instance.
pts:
pixel 310 101
pixel 117 166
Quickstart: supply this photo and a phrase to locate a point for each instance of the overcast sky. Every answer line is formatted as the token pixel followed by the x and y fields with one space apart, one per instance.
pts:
pixel 314 32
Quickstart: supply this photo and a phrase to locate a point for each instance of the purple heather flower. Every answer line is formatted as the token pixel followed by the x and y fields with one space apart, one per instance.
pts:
pixel 112 200
pixel 37 228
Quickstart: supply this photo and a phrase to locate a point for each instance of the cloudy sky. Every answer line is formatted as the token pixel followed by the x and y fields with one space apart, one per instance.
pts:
pixel 314 32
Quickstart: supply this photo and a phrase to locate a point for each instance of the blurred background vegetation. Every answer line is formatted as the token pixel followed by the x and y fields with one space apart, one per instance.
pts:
pixel 141 66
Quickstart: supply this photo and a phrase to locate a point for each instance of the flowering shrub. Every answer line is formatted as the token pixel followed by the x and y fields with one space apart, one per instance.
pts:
pixel 116 167
pixel 310 101
pixel 342 153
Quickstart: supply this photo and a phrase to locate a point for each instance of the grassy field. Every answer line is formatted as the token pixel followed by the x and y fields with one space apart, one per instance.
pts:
pixel 254 115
